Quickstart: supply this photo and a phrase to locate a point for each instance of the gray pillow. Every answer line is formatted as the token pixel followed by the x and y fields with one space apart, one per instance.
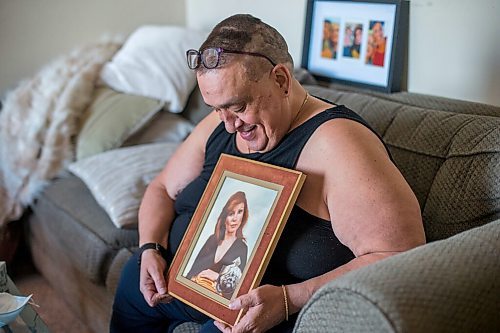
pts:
pixel 111 118
pixel 118 178
pixel 164 127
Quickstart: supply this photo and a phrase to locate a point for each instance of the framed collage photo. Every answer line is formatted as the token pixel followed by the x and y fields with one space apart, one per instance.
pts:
pixel 357 42
pixel 232 234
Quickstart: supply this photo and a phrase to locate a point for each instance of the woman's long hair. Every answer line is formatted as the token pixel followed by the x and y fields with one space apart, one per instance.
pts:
pixel 220 228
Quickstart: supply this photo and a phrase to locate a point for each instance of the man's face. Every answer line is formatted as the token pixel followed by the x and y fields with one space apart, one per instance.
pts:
pixel 251 109
pixel 358 36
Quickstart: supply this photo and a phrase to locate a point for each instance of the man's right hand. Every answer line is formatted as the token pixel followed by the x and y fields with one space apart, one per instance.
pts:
pixel 152 282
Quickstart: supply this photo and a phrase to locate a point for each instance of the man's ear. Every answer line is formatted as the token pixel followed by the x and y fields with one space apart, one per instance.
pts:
pixel 282 77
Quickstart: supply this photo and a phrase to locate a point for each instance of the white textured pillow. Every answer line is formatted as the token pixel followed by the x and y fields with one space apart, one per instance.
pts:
pixel 118 178
pixel 152 63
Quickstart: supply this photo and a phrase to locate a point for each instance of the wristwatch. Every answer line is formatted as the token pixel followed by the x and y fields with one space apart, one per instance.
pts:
pixel 151 246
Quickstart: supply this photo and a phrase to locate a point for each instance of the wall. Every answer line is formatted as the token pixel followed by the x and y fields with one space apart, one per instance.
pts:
pixel 454 50
pixel 34 32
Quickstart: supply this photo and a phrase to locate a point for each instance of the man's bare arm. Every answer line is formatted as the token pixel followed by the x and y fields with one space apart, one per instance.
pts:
pixel 372 208
pixel 156 212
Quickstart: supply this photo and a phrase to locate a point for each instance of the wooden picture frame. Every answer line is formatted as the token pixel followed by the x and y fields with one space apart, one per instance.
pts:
pixel 270 193
pixel 374 59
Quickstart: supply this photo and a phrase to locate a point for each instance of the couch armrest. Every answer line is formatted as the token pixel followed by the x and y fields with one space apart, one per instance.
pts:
pixel 452 285
pixel 116 267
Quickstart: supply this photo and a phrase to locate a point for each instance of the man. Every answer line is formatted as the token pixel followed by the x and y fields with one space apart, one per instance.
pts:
pixel 355 207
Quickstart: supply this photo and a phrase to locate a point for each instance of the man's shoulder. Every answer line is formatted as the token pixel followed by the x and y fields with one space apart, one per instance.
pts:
pixel 335 141
pixel 335 132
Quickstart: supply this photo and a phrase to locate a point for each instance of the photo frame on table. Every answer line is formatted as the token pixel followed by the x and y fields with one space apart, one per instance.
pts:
pixel 262 195
pixel 357 42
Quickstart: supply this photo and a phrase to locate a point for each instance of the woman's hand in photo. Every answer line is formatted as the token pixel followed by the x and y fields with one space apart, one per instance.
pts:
pixel 209 274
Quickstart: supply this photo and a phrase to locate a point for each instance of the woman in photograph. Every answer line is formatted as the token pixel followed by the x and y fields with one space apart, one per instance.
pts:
pixel 325 43
pixel 355 49
pixel 348 37
pixel 330 39
pixel 380 41
pixel 352 48
pixel 223 257
pixel 370 50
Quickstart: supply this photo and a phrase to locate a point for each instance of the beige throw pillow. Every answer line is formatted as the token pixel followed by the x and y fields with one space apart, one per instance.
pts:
pixel 164 127
pixel 111 119
pixel 118 178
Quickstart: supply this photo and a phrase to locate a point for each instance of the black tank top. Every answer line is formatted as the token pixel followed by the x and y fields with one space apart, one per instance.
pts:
pixel 308 246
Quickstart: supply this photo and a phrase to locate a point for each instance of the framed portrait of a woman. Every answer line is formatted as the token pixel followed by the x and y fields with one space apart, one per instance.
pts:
pixel 232 234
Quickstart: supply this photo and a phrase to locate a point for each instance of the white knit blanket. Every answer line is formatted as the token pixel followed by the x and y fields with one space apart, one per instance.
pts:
pixel 40 121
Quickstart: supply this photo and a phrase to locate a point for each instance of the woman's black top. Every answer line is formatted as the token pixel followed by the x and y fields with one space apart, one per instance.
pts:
pixel 206 257
pixel 308 246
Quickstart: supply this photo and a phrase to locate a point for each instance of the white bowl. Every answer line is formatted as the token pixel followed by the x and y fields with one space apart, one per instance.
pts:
pixel 10 307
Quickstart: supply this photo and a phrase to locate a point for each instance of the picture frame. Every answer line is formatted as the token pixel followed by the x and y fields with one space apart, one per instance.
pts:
pixel 246 202
pixel 357 42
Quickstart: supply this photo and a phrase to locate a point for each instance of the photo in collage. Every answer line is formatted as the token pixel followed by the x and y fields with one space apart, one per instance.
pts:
pixel 354 42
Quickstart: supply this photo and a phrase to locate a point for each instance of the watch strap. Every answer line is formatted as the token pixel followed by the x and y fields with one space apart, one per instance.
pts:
pixel 151 246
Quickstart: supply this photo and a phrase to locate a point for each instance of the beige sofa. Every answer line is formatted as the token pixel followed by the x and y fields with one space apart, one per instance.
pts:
pixel 449 152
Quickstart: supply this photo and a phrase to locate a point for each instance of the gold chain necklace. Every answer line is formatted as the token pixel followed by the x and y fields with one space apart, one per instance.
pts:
pixel 300 109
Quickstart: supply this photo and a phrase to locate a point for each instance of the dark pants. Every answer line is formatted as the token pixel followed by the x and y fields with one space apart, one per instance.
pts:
pixel 131 313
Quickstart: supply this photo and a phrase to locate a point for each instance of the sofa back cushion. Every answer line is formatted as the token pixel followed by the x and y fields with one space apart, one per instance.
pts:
pixel 450 158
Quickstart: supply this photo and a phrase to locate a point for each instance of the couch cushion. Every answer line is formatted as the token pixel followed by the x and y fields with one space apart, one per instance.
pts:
pixel 419 100
pixel 455 160
pixel 77 221
pixel 450 157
